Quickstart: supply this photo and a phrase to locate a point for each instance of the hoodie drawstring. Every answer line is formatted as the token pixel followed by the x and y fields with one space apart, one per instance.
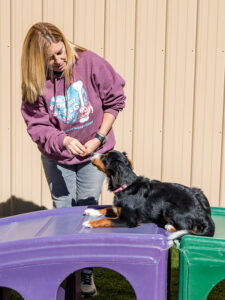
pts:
pixel 66 99
pixel 65 96
pixel 54 108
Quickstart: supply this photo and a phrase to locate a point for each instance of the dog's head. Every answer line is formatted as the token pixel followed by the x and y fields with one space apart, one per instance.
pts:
pixel 116 165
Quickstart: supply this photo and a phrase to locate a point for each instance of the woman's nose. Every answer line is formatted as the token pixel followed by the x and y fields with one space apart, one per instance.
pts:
pixel 56 59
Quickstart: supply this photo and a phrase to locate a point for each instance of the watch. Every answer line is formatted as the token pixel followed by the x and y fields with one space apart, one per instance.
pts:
pixel 101 138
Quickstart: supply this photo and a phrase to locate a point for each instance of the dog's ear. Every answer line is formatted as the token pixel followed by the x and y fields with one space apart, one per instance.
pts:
pixel 130 161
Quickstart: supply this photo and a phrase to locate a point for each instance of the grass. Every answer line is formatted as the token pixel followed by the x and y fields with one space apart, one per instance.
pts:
pixel 113 286
pixel 117 288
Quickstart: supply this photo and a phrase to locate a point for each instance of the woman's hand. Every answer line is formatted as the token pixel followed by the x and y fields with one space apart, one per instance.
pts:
pixel 73 146
pixel 91 146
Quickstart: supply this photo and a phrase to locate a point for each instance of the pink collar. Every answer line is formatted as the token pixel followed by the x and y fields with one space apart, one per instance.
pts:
pixel 120 188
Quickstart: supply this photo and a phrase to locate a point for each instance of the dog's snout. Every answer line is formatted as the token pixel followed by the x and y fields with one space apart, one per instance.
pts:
pixel 95 155
pixel 97 161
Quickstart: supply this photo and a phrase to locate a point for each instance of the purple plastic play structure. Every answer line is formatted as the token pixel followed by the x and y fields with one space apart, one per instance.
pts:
pixel 39 250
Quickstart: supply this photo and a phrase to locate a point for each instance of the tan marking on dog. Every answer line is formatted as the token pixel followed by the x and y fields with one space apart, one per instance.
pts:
pixel 166 219
pixel 101 223
pixel 172 228
pixel 130 161
pixel 117 210
pixel 99 164
pixel 114 211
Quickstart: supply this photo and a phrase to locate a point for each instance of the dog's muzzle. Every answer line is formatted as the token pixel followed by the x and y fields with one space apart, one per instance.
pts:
pixel 95 156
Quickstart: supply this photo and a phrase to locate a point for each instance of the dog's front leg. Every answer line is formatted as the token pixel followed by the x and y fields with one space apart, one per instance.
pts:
pixel 106 222
pixel 94 212
pixel 112 211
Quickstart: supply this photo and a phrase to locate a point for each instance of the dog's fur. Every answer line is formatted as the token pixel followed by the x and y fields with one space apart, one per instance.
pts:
pixel 169 205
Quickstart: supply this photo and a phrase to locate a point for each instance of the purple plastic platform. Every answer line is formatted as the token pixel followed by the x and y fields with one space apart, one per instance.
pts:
pixel 39 250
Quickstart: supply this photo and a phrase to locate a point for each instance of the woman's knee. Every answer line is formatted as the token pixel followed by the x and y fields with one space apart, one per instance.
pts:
pixel 61 202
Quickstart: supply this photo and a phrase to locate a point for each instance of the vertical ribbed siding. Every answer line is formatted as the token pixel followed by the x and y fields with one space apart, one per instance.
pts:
pixel 60 13
pixel 209 99
pixel 26 168
pixel 119 51
pixel 149 83
pixel 179 88
pixel 5 106
pixel 171 54
pixel 89 24
pixel 221 91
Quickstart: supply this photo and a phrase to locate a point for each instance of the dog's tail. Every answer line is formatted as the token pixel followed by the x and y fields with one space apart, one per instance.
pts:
pixel 177 234
pixel 207 229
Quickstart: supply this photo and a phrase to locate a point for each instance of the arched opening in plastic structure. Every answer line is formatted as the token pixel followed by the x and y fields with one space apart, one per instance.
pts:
pixel 218 292
pixel 107 282
pixel 9 294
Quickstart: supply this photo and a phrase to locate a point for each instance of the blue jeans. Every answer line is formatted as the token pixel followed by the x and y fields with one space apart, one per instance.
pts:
pixel 72 185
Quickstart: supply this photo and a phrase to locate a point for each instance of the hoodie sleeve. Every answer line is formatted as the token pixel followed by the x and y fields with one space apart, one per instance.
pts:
pixel 109 85
pixel 40 128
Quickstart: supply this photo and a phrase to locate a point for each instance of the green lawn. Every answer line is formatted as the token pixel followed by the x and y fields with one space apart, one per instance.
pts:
pixel 113 286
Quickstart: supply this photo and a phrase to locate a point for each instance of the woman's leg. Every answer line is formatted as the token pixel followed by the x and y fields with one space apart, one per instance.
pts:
pixel 62 182
pixel 89 184
pixel 89 187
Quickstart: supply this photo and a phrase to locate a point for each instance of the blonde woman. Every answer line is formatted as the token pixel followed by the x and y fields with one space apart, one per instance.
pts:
pixel 70 100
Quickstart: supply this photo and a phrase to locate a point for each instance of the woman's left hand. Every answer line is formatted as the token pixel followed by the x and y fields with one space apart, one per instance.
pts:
pixel 91 146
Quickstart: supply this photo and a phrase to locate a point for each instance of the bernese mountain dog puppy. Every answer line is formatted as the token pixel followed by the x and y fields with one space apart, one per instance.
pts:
pixel 140 200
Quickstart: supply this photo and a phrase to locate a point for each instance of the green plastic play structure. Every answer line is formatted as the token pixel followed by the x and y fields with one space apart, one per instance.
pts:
pixel 202 261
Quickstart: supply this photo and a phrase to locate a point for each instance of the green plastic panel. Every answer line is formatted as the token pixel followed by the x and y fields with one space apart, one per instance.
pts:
pixel 202 261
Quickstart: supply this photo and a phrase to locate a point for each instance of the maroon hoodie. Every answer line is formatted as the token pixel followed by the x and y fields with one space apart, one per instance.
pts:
pixel 77 110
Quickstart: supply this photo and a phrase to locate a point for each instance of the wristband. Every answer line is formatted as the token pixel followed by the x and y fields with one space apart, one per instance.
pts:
pixel 100 138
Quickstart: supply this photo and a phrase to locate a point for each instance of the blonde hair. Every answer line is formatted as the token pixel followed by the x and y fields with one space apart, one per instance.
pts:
pixel 34 63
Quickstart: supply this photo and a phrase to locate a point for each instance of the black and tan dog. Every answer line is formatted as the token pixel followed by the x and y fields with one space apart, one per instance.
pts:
pixel 140 200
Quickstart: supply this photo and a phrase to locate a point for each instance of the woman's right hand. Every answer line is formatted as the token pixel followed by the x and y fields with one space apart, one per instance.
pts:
pixel 73 146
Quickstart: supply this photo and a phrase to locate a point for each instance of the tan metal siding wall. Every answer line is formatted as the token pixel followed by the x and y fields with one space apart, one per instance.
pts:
pixel 171 54
pixel 209 98
pixel 179 90
pixel 149 87
pixel 5 106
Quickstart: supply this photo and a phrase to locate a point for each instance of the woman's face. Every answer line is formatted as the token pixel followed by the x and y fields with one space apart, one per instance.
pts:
pixel 57 57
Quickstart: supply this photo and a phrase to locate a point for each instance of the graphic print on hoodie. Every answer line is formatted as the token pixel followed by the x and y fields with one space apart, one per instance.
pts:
pixel 74 107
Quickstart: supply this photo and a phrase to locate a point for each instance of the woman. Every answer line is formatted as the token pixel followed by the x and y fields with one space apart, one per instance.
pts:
pixel 71 98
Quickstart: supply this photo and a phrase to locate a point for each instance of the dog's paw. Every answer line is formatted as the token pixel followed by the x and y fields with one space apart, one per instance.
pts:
pixel 169 227
pixel 92 212
pixel 87 224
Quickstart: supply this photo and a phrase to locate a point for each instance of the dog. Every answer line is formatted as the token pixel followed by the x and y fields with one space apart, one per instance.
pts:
pixel 140 200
